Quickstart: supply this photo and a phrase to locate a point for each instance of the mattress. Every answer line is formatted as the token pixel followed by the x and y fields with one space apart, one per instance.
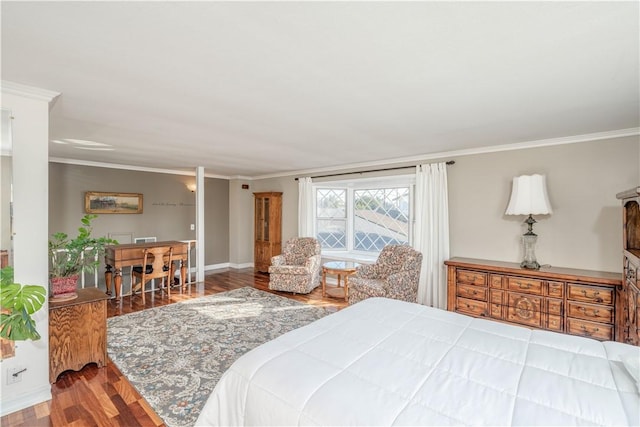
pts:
pixel 388 362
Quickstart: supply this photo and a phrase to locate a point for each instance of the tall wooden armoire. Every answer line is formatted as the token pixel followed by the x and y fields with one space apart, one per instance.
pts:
pixel 267 229
pixel 630 291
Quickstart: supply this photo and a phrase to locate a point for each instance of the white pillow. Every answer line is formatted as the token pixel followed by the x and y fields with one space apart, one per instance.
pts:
pixel 631 363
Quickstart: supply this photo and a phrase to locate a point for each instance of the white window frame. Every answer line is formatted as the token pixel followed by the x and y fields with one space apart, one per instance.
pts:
pixel 351 185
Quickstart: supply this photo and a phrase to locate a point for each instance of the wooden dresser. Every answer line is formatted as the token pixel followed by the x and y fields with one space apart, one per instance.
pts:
pixel 77 332
pixel 267 229
pixel 577 302
pixel 630 293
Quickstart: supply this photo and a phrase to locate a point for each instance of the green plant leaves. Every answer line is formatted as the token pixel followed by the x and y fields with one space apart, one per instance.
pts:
pixel 17 297
pixel 82 253
pixel 18 326
pixel 18 303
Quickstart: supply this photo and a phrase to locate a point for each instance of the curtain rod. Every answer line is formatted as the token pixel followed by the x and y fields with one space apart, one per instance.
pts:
pixel 450 162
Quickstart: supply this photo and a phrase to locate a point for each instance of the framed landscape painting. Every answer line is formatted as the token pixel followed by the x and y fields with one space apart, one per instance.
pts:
pixel 112 203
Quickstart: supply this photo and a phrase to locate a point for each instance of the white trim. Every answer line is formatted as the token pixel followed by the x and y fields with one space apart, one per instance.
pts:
pixel 620 133
pixel 129 167
pixel 35 396
pixel 31 92
pixel 228 265
pixel 241 266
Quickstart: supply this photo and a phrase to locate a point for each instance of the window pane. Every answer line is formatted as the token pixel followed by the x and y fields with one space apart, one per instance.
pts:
pixel 331 203
pixel 332 233
pixel 381 217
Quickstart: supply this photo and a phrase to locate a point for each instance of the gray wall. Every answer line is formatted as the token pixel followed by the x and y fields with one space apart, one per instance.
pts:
pixel 169 207
pixel 584 231
pixel 585 228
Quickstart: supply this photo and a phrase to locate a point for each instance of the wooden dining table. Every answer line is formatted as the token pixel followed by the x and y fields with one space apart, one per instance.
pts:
pixel 130 254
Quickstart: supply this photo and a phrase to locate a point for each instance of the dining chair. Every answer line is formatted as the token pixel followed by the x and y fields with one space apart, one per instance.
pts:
pixel 156 265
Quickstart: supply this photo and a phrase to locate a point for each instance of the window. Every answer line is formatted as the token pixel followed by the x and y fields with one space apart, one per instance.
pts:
pixel 363 216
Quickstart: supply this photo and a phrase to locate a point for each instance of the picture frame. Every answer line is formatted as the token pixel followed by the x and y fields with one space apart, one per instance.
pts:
pixel 113 203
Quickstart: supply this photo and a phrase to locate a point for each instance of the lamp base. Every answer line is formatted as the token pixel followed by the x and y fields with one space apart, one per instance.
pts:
pixel 529 240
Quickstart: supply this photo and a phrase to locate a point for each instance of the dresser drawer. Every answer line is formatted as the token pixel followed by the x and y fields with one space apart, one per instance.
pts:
pixel 554 323
pixel 525 309
pixel 591 294
pixel 473 292
pixel 556 289
pixel 472 307
pixel 523 284
pixel 554 306
pixel 468 277
pixel 596 313
pixel 590 329
pixel 495 280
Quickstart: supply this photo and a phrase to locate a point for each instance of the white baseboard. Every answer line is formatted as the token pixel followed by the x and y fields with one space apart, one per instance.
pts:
pixel 39 395
pixel 227 265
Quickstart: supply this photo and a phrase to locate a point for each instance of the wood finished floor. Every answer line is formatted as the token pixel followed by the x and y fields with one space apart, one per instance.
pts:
pixel 103 396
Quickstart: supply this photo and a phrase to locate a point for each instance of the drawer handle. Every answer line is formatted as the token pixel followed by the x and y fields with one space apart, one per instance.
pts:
pixel 524 286
pixel 588 333
pixel 595 293
pixel 584 310
pixel 595 296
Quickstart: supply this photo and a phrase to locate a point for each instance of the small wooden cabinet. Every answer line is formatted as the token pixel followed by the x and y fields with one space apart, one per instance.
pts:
pixel 577 302
pixel 630 291
pixel 77 332
pixel 267 229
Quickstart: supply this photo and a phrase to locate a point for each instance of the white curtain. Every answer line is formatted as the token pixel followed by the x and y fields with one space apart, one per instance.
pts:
pixel 431 232
pixel 305 207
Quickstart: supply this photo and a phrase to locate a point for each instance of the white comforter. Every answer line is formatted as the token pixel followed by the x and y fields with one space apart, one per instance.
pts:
pixel 386 362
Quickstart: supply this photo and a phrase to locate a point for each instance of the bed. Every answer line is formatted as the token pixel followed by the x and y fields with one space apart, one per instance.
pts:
pixel 388 362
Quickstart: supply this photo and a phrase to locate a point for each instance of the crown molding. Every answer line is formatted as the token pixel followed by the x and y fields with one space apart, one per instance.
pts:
pixel 130 167
pixel 28 91
pixel 620 133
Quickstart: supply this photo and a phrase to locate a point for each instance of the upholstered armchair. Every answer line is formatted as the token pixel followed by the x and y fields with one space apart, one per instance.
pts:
pixel 297 269
pixel 395 274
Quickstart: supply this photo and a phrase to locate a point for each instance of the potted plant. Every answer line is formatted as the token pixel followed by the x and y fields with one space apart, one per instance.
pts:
pixel 71 257
pixel 18 303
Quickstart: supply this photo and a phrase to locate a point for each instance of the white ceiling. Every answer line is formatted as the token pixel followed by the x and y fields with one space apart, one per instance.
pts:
pixel 265 88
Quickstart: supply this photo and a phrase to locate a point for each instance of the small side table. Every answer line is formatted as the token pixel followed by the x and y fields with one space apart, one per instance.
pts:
pixel 342 269
pixel 77 332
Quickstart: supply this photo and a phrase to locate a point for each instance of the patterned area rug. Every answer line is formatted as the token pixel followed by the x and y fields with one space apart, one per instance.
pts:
pixel 174 355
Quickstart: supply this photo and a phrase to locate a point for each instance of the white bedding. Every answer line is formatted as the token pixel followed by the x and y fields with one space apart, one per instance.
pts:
pixel 387 362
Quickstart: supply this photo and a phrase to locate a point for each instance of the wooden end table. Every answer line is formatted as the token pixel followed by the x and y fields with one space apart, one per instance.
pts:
pixel 342 269
pixel 77 332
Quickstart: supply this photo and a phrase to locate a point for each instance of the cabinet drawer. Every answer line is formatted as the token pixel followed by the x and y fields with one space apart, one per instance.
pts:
pixel 556 289
pixel 496 310
pixel 472 307
pixel 554 323
pixel 525 309
pixel 473 292
pixel 471 278
pixel 497 297
pixel 592 294
pixel 590 329
pixel 495 281
pixel 597 313
pixel 554 306
pixel 523 284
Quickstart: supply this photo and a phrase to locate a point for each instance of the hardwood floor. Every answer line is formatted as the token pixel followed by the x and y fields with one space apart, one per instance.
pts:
pixel 103 396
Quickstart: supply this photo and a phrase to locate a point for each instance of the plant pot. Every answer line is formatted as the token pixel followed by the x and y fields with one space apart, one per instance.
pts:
pixel 64 288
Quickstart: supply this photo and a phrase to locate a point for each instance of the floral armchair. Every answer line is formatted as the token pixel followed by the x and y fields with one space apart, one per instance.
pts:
pixel 395 274
pixel 297 269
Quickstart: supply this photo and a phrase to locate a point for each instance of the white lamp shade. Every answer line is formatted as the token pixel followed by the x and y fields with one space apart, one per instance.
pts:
pixel 529 196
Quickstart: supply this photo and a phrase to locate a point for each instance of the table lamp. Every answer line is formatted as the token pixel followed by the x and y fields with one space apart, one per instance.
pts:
pixel 529 197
